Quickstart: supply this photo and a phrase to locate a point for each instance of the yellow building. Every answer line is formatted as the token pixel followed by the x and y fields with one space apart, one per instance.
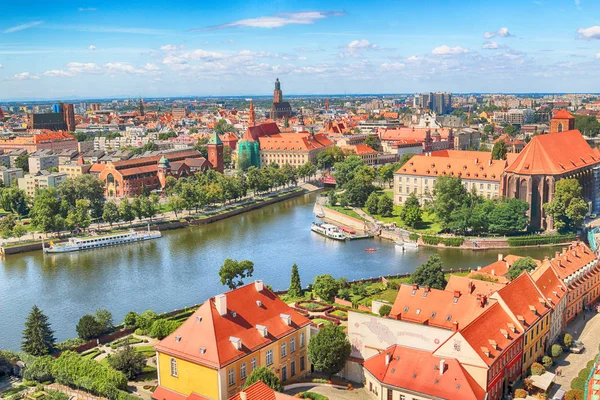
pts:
pixel 73 170
pixel 230 335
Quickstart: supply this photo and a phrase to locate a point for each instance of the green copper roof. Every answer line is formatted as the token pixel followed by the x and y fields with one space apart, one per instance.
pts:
pixel 163 160
pixel 215 139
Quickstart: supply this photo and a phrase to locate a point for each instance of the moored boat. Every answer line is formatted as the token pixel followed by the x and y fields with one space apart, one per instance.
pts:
pixel 93 242
pixel 327 230
pixel 406 245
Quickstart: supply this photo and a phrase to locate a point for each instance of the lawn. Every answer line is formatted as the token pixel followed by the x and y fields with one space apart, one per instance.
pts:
pixel 340 209
pixel 122 342
pixel 318 321
pixel 91 354
pixel 146 351
pixel 339 313
pixel 148 374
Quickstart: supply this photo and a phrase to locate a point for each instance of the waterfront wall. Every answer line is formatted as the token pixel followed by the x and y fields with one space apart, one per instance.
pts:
pixel 343 219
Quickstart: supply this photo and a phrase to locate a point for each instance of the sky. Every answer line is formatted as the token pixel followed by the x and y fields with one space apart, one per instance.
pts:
pixel 91 49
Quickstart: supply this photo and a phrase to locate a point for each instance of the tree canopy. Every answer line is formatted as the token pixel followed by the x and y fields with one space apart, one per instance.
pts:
pixel 325 287
pixel 266 376
pixel 567 208
pixel 499 150
pixel 233 269
pixel 329 350
pixel 522 264
pixel 38 336
pixel 430 274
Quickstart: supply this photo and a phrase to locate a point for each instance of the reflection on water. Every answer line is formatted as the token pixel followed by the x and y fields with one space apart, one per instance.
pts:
pixel 182 267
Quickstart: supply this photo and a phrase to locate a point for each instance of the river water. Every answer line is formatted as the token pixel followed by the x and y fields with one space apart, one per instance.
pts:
pixel 181 268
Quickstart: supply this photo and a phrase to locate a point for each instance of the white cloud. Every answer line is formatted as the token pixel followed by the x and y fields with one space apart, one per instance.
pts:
pixel 279 20
pixel 1 66
pixel 57 72
pixel 83 9
pixel 25 76
pixel 597 56
pixel 490 46
pixel 122 67
pixel 22 27
pixel 78 67
pixel 151 67
pixel 413 59
pixel 392 66
pixel 361 44
pixel 447 50
pixel 502 32
pixel 593 32
pixel 170 47
pixel 91 47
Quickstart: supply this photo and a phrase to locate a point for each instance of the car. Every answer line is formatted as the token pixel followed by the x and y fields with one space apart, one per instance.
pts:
pixel 559 395
pixel 577 347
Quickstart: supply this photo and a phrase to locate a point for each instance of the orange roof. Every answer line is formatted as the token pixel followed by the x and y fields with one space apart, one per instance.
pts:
pixel 456 163
pixel 499 269
pixel 419 371
pixel 260 391
pixel 410 133
pixel 571 260
pixel 563 114
pixel 470 286
pixel 554 154
pixel 254 132
pixel 359 149
pixel 162 393
pixel 549 283
pixel 211 339
pixel 524 300
pixel 436 307
pixel 509 141
pixel 301 141
pixel 493 326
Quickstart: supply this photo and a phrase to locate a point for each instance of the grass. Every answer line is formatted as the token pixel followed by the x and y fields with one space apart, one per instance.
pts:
pixel 146 351
pixel 148 373
pixel 318 321
pixel 340 209
pixel 14 390
pixel 339 313
pixel 312 306
pixel 122 342
pixel 91 354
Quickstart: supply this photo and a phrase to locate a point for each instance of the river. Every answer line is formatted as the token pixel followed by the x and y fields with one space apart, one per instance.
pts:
pixel 181 268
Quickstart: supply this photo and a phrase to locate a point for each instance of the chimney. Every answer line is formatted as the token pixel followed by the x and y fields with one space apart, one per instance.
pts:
pixel 556 254
pixel 259 286
pixel 415 286
pixel 490 162
pixel 494 272
pixel 263 330
pixel 286 318
pixel 427 289
pixel 237 342
pixel 482 301
pixel 457 293
pixel 388 357
pixel 455 323
pixel 243 396
pixel 442 366
pixel 500 257
pixel 471 287
pixel 221 304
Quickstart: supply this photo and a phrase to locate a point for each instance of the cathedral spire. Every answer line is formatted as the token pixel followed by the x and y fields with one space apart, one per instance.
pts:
pixel 252 115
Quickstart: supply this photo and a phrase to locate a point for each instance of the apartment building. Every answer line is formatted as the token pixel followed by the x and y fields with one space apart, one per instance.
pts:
pixel 31 183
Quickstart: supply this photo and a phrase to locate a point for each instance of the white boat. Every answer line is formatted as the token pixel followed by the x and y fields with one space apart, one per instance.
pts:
pixel 328 230
pixel 93 242
pixel 407 245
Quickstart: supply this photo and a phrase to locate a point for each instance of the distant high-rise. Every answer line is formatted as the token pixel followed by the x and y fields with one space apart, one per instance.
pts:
pixel 57 108
pixel 440 102
pixel 1 113
pixel 280 108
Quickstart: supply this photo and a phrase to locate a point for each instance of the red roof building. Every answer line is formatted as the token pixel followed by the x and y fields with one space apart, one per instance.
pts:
pixel 555 291
pixel 410 372
pixel 368 155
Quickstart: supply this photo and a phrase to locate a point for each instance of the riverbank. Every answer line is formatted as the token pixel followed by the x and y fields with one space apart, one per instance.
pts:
pixel 178 223
pixel 368 224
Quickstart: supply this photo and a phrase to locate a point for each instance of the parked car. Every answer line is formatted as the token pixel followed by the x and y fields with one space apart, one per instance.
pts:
pixel 577 347
pixel 559 395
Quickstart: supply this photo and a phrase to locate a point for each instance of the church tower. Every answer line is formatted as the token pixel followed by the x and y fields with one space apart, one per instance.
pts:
pixel 215 152
pixel 277 93
pixel 164 169
pixel 141 107
pixel 562 121
pixel 252 115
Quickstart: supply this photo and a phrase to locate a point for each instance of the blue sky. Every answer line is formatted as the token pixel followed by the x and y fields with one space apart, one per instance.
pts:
pixel 87 48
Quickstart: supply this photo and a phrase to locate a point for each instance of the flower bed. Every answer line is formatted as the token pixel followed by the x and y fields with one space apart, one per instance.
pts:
pixel 301 312
pixel 313 305
pixel 337 313
pixel 323 320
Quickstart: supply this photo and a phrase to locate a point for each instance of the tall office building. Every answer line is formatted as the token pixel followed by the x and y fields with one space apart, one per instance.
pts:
pixel 440 102
pixel 57 108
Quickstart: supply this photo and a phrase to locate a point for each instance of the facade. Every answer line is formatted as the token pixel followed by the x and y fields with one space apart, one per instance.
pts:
pixel 555 291
pixel 562 121
pixel 513 145
pixel 42 160
pixel 69 117
pixel 294 148
pixel 49 140
pixel 73 170
pixel 31 183
pixel 50 121
pixel 440 102
pixel 366 153
pixel 545 160
pixel 279 109
pixel 476 169
pixel 215 152
pixel 229 336
pixel 10 175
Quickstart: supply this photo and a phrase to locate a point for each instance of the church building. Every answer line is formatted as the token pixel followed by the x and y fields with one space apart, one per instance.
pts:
pixel 280 108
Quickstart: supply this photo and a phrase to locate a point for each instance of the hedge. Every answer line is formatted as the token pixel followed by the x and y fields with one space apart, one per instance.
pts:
pixel 435 240
pixel 414 237
pixel 578 383
pixel 539 240
pixel 312 396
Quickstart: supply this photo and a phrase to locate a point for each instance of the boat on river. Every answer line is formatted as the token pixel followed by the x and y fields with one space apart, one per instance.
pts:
pixel 407 245
pixel 96 241
pixel 328 230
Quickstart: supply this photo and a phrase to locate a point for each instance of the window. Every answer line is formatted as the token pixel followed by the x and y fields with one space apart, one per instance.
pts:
pixel 302 366
pixel 293 368
pixel 390 395
pixel 231 377
pixel 269 357
pixel 243 371
pixel 253 364
pixel 173 367
pixel 292 345
pixel 284 373
pixel 301 339
pixel 283 349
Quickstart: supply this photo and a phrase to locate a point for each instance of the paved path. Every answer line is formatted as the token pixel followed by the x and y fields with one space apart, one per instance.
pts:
pixel 588 331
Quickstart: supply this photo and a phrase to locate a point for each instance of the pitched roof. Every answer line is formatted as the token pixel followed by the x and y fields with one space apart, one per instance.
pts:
pixel 563 114
pixel 434 307
pixel 419 371
pixel 572 259
pixel 470 286
pixel 260 391
pixel 359 149
pixel 499 269
pixel 549 283
pixel 491 333
pixel 524 300
pixel 208 338
pixel 300 141
pixel 410 133
pixel 254 132
pixel 555 153
pixel 214 139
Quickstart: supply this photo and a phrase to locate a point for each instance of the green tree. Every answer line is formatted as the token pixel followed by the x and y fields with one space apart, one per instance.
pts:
pixel 327 158
pixel 567 340
pixel 450 195
pixel 508 216
pixel 14 200
pixel 150 146
pixel 329 349
pixel 82 213
pixel 19 230
pixel 161 328
pixel 22 162
pixel 413 215
pixel 105 319
pixel 131 319
pixel 345 170
pixel 511 130
pixel 385 310
pixel 38 368
pixel 85 187
pixel 128 361
pixel 372 203
pixel 45 212
pixel 385 206
pixel 488 129
pixel 588 125
pixel 232 270
pixel 266 376
pixel 499 150
pixel 126 211
pixel 175 204
pixel 222 127
pixel 88 327
pixel 556 350
pixel 522 264
pixel 111 213
pixel 38 336
pixel 325 287
pixel 137 206
pixel 567 208
pixel 332 197
pixel 373 142
pixel 430 274
pixel 295 289
pixel 7 225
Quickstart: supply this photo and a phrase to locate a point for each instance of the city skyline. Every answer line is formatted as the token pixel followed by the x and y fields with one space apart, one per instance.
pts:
pixel 154 49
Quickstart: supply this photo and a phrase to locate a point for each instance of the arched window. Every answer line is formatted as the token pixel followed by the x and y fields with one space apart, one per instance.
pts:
pixel 110 179
pixel 560 127
pixel 173 367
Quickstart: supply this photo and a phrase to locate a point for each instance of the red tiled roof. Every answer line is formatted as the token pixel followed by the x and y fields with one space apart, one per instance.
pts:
pixel 204 338
pixel 419 371
pixel 53 137
pixel 499 269
pixel 162 393
pixel 549 283
pixel 572 260
pixel 470 286
pixel 359 149
pixel 523 299
pixel 436 307
pixel 260 391
pixel 410 133
pixel 301 141
pixel 563 114
pixel 554 154
pixel 254 132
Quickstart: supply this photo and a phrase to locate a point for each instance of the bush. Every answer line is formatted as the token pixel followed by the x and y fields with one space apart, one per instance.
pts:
pixel 413 237
pixel 568 340
pixel 578 383
pixel 325 287
pixel 312 396
pixel 535 240
pixel 520 394
pixel 574 395
pixel 547 362
pixel 585 373
pixel 385 310
pixel 537 369
pixel 161 328
pixel 556 350
pixel 88 327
